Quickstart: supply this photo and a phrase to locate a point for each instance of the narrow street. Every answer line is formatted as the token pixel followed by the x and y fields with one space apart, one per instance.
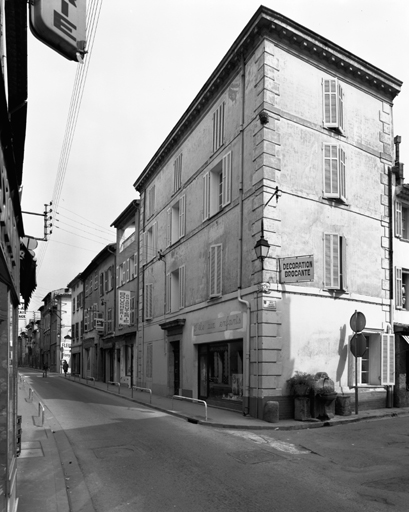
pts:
pixel 133 458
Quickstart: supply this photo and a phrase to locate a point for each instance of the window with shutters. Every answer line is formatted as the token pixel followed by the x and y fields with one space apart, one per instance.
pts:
pixel 151 242
pixel 334 172
pixel 335 265
pixel 218 127
pixel 401 220
pixel 217 187
pixel 131 267
pixel 175 224
pixel 150 202
pixel 177 173
pixel 175 290
pixel 333 105
pixel 101 284
pixel 109 320
pixel 401 285
pixel 215 270
pixel 377 365
pixel 148 301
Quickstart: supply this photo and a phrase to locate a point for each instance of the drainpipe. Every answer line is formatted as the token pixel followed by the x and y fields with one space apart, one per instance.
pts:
pixel 246 341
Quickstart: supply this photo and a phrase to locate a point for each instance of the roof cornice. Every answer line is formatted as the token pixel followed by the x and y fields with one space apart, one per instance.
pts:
pixel 267 23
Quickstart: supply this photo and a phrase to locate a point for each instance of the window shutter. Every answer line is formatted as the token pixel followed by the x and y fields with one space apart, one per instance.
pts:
pixel 332 261
pixel 136 263
pixel 182 221
pixel 117 277
pixel 206 196
pixel 398 288
pixel 344 281
pixel 182 287
pixel 340 112
pixel 388 360
pixel 168 293
pixel 215 273
pixel 154 239
pixel 398 218
pixel 342 192
pixel 127 270
pixel 168 226
pixel 106 281
pixel 330 103
pixel 226 179
pixel 144 248
pixel 148 301
pixel 351 366
pixel 112 277
pixel 331 176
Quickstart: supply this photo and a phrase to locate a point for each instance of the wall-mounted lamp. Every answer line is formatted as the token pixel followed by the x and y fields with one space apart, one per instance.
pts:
pixel 262 246
pixel 263 116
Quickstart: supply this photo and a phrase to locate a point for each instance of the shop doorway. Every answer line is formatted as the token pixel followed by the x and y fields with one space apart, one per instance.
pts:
pixel 176 366
pixel 221 374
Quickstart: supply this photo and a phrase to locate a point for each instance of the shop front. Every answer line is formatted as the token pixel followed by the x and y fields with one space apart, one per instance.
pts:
pixel 221 373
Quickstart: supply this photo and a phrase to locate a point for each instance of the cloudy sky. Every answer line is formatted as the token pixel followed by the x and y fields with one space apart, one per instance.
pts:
pixel 148 62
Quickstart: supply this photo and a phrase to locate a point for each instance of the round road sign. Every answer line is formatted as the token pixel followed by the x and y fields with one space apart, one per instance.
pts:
pixel 357 322
pixel 358 345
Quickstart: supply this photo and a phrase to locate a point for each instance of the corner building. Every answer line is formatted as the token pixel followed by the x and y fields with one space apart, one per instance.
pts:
pixel 289 141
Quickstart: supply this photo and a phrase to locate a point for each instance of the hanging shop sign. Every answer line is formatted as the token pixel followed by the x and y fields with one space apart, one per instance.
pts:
pixel 60 24
pixel 124 311
pixel 297 269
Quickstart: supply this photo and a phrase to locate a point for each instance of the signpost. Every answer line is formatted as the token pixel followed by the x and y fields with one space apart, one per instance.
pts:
pixel 358 345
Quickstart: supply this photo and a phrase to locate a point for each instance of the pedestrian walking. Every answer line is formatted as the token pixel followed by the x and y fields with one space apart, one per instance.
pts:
pixel 45 369
pixel 65 367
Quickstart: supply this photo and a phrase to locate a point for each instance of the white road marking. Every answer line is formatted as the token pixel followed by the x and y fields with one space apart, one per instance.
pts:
pixel 282 446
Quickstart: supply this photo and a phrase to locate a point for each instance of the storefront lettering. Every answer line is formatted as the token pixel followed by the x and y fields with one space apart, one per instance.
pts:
pixel 231 322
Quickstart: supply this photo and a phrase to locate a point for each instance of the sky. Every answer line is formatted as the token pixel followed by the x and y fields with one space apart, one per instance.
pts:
pixel 148 62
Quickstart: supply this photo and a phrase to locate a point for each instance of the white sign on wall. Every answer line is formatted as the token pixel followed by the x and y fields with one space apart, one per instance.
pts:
pixel 297 269
pixel 124 310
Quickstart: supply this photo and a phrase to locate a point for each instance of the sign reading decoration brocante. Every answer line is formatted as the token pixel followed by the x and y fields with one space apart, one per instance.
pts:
pixel 297 269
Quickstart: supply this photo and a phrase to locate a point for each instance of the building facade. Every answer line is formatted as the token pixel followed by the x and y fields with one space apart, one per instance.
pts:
pixel 99 304
pixel 56 329
pixel 77 323
pixel 126 295
pixel 289 142
pixel 17 268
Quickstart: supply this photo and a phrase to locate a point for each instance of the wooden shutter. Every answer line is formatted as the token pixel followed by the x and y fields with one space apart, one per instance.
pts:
pixel 344 282
pixel 398 218
pixel 215 273
pixel 340 113
pixel 351 366
pixel 206 196
pixel 148 301
pixel 226 179
pixel 136 263
pixel 127 270
pixel 388 360
pixel 168 227
pixel 168 295
pixel 341 165
pixel 182 220
pixel 117 277
pixel 154 239
pixel 398 288
pixel 182 287
pixel 330 103
pixel 331 170
pixel 332 261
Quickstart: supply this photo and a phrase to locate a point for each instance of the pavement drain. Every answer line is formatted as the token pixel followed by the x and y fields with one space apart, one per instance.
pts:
pixel 109 452
pixel 31 449
pixel 255 456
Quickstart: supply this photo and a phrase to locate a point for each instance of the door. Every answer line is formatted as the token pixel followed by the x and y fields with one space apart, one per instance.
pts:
pixel 176 366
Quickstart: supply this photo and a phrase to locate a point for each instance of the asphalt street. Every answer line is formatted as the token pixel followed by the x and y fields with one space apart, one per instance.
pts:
pixel 121 456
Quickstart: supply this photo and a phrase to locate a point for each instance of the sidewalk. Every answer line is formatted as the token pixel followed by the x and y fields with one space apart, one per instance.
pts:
pixel 40 477
pixel 42 485
pixel 222 418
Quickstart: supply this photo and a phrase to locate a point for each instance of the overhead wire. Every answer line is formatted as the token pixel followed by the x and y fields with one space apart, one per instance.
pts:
pixel 92 18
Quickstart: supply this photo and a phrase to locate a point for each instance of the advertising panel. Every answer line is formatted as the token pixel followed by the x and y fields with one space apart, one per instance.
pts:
pixel 297 269
pixel 124 310
pixel 60 24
